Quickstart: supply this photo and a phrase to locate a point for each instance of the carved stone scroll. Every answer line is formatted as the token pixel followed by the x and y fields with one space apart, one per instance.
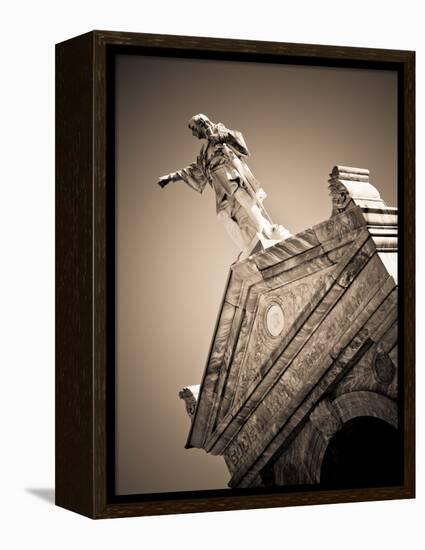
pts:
pixel 190 396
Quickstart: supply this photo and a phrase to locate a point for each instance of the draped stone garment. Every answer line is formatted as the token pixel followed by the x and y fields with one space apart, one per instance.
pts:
pixel 221 163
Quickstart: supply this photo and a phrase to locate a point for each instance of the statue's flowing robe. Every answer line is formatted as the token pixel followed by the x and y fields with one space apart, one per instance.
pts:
pixel 221 163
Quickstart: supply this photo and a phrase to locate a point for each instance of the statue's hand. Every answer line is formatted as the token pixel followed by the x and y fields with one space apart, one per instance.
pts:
pixel 165 180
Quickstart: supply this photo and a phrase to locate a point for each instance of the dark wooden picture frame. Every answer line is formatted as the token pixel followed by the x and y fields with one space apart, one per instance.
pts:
pixel 85 258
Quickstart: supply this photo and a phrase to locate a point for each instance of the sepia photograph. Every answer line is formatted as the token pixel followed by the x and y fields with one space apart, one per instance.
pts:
pixel 210 225
pixel 256 311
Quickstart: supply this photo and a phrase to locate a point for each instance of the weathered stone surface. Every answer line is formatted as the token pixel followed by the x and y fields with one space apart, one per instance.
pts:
pixel 364 375
pixel 344 362
pixel 363 403
pixel 274 394
pixel 303 375
pixel 383 367
pixel 234 289
pixel 250 292
pixel 299 272
pixel 325 418
pixel 292 467
pixel 337 226
pixel 207 392
pixel 286 249
pixel 261 345
pixel 310 318
pixel 307 449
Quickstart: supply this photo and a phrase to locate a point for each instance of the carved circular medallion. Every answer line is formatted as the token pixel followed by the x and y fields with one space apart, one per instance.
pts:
pixel 274 320
pixel 384 368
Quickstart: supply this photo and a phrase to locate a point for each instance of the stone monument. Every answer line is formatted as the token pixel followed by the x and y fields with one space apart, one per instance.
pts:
pixel 303 364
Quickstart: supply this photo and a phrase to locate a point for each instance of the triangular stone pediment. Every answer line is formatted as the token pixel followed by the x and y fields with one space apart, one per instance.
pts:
pixel 276 310
pixel 288 274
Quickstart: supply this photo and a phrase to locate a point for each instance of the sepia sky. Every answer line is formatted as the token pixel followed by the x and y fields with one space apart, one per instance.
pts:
pixel 173 255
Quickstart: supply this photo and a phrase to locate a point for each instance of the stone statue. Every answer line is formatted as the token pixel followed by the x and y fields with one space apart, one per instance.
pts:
pixel 239 196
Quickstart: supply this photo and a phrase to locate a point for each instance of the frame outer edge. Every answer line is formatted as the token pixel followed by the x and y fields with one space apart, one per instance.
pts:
pixel 100 267
pixel 74 451
pixel 409 272
pixel 87 392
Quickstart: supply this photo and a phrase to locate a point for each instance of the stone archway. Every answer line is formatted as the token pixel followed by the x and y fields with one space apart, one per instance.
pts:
pixel 338 431
pixel 365 452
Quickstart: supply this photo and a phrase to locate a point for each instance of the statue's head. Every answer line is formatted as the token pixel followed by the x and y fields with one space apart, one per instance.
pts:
pixel 201 126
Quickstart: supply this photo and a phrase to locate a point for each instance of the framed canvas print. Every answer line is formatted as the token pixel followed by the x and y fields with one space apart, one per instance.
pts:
pixel 235 274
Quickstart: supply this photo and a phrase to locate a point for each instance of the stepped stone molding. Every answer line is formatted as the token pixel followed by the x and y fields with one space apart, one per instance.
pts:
pixel 350 187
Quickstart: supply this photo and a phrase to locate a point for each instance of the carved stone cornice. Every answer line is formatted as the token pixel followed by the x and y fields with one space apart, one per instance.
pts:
pixel 350 187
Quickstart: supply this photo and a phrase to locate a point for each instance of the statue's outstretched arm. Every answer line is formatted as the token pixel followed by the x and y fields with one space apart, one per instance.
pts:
pixel 165 180
pixel 192 175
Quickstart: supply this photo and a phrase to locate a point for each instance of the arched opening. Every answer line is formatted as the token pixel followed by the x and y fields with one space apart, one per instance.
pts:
pixel 365 452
